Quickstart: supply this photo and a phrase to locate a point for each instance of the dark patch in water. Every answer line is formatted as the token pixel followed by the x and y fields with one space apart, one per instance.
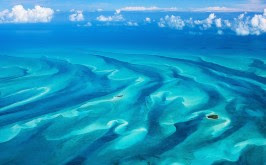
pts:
pixel 213 117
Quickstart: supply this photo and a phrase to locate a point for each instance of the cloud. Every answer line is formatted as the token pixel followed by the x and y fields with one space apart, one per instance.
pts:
pixel 76 16
pixel 176 22
pixel 258 23
pixel 19 14
pixel 220 32
pixel 250 26
pixel 218 22
pixel 242 25
pixel 227 23
pixel 252 5
pixel 114 18
pixel 130 23
pixel 142 8
pixel 148 20
pixel 99 10
pixel 217 9
pixel 88 24
pixel 208 22
pixel 118 11
pixel 172 21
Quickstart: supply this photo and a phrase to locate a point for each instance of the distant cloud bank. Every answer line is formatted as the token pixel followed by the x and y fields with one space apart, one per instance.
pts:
pixel 18 14
pixel 142 8
pixel 204 9
pixel 217 9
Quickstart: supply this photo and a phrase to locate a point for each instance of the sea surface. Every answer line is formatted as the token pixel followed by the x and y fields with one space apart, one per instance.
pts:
pixel 133 95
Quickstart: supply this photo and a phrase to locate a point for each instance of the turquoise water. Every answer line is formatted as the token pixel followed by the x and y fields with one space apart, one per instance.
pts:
pixel 130 95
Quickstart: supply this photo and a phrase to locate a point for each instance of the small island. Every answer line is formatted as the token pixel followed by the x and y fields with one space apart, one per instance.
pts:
pixel 213 116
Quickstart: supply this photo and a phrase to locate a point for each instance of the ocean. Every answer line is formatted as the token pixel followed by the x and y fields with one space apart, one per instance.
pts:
pixel 108 93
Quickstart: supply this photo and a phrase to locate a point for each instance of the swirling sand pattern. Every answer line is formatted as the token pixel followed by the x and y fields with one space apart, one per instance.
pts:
pixel 151 111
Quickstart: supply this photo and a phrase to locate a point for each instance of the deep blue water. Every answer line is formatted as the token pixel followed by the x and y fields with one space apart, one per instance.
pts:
pixel 131 95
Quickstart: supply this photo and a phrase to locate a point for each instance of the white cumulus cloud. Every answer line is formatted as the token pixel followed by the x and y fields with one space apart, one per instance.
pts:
pixel 250 26
pixel 242 25
pixel 206 23
pixel 76 16
pixel 172 21
pixel 227 23
pixel 258 23
pixel 18 14
pixel 218 22
pixel 114 18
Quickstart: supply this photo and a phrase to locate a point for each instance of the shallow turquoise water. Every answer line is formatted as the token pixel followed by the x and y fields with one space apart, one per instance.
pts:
pixel 78 102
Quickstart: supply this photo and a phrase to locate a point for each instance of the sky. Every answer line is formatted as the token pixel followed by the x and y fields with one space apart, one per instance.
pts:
pixel 44 11
pixel 87 5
